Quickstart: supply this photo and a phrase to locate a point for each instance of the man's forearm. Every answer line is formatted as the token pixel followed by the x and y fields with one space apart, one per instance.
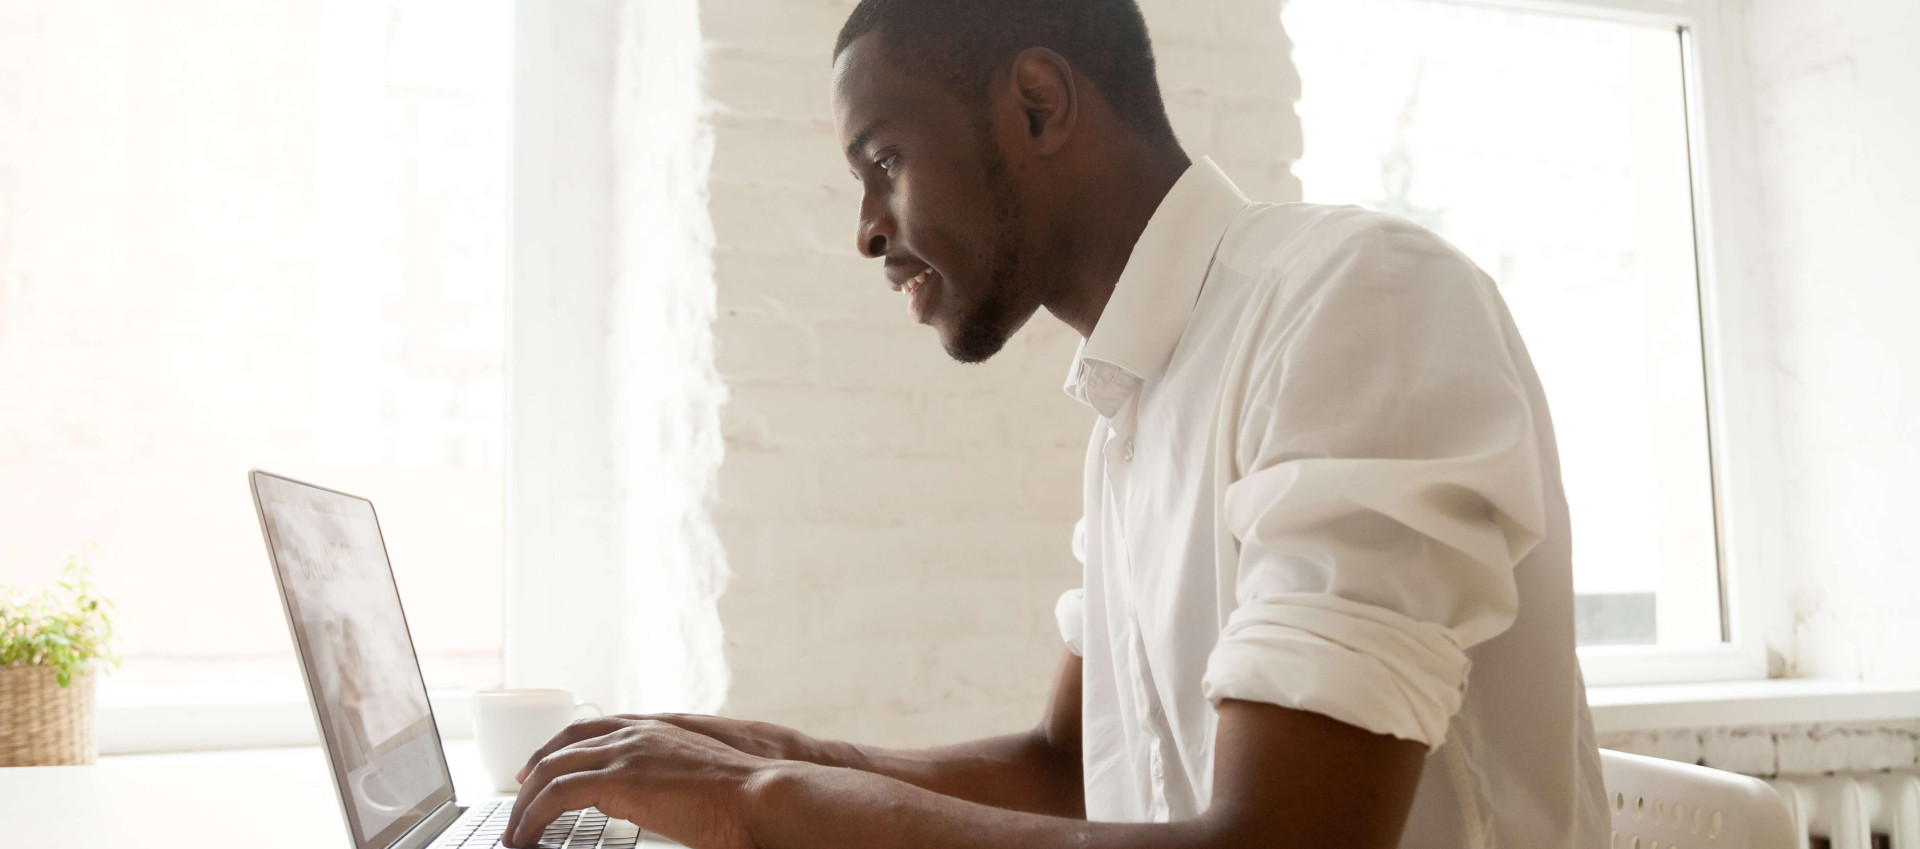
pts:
pixel 1018 772
pixel 1037 772
pixel 807 806
pixel 1282 778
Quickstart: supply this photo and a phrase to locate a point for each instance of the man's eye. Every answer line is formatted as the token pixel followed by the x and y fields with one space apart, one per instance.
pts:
pixel 886 163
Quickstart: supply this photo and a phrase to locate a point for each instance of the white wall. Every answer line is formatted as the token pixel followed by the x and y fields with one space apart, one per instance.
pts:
pixel 614 428
pixel 1837 91
pixel 1771 750
pixel 898 524
pixel 562 496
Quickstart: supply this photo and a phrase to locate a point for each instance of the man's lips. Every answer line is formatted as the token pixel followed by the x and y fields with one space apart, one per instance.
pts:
pixel 920 296
pixel 914 283
pixel 903 275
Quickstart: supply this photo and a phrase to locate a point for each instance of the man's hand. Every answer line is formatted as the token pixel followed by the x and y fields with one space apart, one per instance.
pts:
pixel 666 779
pixel 760 739
pixel 1036 770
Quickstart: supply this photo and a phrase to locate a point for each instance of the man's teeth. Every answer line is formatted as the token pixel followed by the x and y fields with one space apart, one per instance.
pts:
pixel 917 281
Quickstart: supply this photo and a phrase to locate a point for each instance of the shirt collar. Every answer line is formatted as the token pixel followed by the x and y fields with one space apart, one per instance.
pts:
pixel 1148 311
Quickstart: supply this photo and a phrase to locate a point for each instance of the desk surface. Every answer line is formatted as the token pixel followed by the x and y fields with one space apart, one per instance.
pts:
pixel 281 798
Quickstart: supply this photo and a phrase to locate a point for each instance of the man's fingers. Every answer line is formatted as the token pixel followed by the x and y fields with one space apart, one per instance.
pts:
pixel 569 792
pixel 584 729
pixel 576 759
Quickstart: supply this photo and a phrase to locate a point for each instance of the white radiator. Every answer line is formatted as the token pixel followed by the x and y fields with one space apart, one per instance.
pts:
pixel 1869 810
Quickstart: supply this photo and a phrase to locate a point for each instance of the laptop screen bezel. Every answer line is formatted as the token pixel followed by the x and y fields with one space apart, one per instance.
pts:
pixel 442 795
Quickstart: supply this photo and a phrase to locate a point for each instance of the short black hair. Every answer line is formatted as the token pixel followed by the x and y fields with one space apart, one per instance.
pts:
pixel 965 42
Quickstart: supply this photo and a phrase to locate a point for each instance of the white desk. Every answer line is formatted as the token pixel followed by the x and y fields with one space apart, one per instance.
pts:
pixel 280 798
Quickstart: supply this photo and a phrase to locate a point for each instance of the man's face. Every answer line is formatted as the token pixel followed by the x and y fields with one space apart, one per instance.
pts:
pixel 938 204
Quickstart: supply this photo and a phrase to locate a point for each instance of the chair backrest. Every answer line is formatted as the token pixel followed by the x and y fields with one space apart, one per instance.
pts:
pixel 1659 804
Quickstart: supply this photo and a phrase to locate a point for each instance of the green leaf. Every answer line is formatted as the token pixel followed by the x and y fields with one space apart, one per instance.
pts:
pixel 67 630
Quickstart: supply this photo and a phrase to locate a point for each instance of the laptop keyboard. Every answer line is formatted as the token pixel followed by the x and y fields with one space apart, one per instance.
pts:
pixel 483 824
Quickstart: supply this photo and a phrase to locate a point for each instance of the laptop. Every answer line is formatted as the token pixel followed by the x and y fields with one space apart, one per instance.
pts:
pixel 363 680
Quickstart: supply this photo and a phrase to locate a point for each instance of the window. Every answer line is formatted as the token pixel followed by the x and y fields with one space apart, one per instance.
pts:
pixel 1557 151
pixel 230 238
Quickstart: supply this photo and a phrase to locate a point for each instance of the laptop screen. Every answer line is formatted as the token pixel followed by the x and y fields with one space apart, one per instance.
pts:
pixel 358 657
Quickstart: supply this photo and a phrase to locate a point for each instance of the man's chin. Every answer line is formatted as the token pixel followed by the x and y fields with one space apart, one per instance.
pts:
pixel 970 348
pixel 977 342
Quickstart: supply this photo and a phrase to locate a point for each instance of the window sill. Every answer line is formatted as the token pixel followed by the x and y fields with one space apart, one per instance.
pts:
pixel 1721 704
pixel 463 761
pixel 267 719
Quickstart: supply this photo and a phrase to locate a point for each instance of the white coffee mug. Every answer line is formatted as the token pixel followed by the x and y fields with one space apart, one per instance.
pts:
pixel 510 725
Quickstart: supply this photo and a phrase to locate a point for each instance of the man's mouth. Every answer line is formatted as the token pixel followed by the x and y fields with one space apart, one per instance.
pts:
pixel 920 295
pixel 918 280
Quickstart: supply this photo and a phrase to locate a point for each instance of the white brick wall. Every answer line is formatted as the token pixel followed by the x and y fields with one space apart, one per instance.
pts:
pixel 897 524
pixel 1771 750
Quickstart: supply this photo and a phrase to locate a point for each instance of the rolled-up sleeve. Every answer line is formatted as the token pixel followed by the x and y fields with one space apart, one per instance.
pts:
pixel 1071 614
pixel 1389 482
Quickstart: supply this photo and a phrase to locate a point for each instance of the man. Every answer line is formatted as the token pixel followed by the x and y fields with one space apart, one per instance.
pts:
pixel 1328 599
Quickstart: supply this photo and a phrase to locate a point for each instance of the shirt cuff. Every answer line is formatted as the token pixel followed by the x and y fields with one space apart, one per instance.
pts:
pixel 1071 611
pixel 1363 665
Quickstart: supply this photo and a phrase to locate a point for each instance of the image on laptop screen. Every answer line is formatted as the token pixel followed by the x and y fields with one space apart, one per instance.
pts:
pixel 358 656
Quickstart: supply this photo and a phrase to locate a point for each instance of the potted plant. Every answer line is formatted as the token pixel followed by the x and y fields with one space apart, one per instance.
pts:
pixel 50 645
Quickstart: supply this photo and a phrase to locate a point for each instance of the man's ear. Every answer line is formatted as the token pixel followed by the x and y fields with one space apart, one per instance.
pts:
pixel 1044 92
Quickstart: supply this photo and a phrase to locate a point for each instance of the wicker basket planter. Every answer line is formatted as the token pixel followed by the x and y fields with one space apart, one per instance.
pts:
pixel 43 723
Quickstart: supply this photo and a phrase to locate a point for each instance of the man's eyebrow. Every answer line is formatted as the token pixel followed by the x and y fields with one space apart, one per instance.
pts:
pixel 861 138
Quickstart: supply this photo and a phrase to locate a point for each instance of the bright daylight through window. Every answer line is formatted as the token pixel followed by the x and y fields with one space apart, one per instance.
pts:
pixel 1553 150
pixel 252 235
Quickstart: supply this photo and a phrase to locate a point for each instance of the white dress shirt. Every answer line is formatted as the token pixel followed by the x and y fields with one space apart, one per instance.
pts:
pixel 1324 477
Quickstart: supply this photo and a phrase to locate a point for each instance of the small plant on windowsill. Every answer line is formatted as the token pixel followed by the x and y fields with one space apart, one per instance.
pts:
pixel 51 643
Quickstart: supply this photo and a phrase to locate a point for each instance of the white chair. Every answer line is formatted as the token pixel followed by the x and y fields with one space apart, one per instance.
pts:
pixel 1658 804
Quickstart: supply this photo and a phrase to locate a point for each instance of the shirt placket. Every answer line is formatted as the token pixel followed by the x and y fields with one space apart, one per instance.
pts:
pixel 1119 452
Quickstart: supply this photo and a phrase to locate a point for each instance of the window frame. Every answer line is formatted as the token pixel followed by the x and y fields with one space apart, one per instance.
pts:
pixel 1734 326
pixel 563 517
pixel 562 521
pixel 275 715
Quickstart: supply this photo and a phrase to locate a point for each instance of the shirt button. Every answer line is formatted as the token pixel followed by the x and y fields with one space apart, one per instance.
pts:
pixel 1126 450
pixel 1155 768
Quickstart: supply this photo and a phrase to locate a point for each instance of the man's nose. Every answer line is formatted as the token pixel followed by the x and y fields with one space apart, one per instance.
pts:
pixel 875 228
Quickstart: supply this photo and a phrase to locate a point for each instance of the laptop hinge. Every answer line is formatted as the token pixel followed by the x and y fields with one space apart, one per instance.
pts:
pixel 423 834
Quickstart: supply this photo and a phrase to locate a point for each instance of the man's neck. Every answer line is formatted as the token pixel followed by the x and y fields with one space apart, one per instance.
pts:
pixel 1103 227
